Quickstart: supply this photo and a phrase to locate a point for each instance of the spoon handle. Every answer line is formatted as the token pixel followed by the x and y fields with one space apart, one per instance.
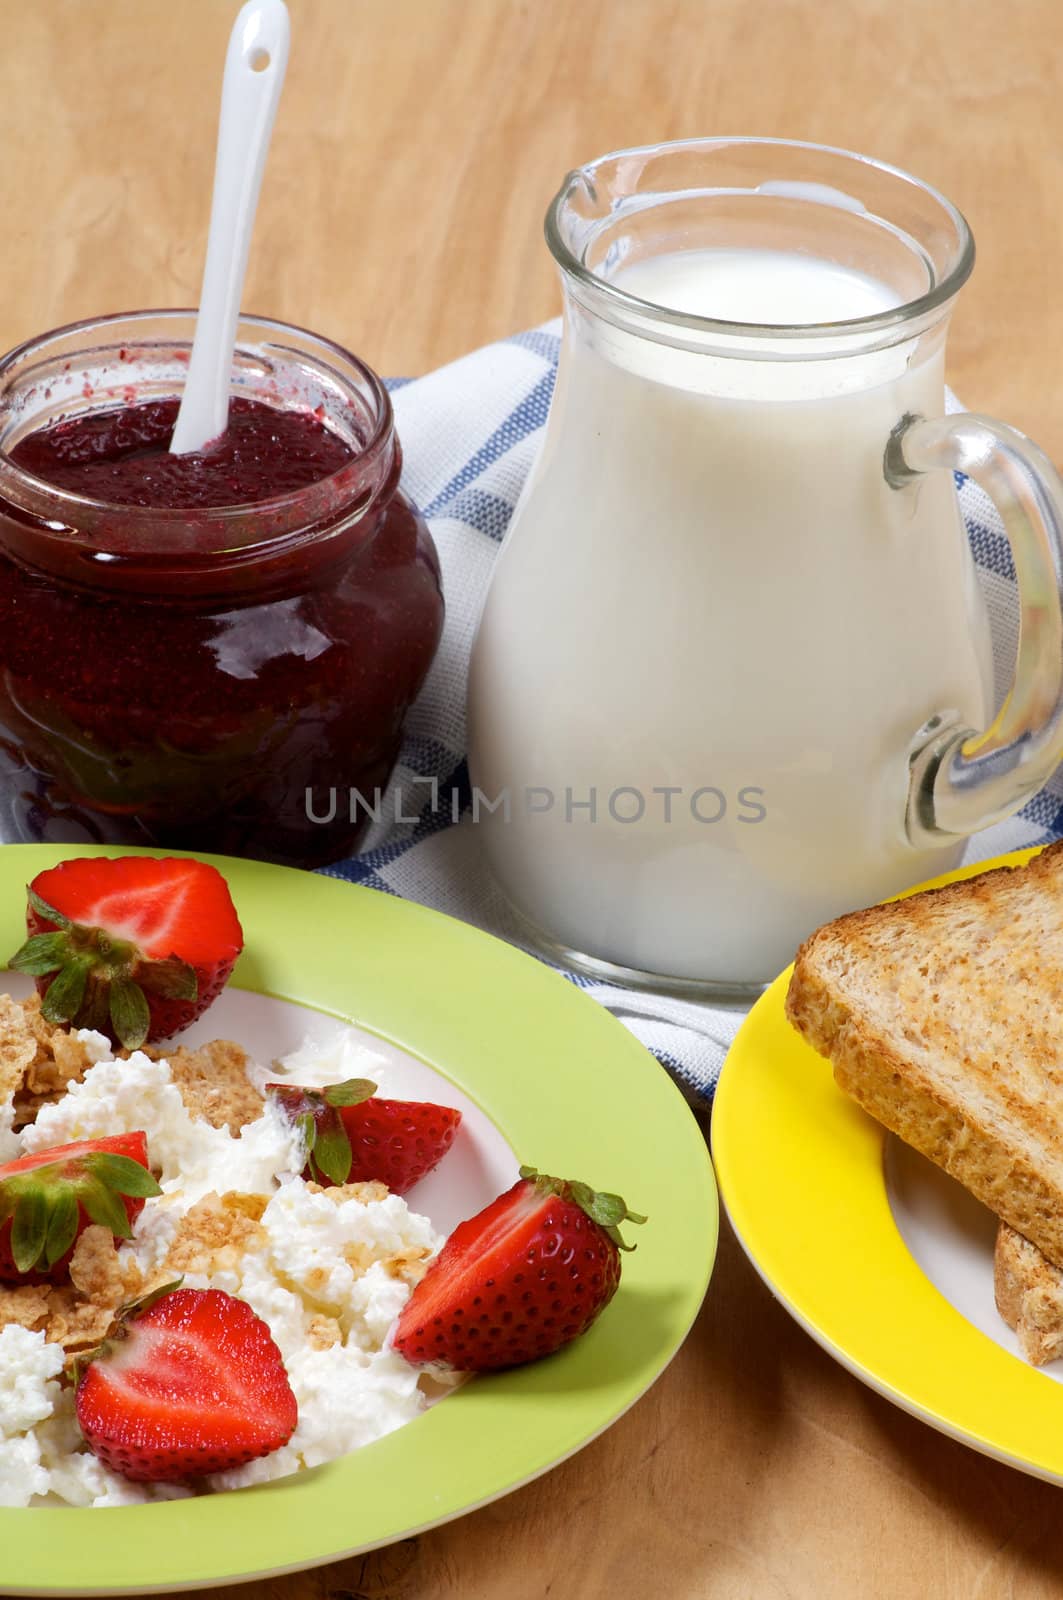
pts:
pixel 254 75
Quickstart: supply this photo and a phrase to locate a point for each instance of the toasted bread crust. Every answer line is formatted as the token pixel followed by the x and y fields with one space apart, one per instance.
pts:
pixel 1029 1296
pixel 943 1017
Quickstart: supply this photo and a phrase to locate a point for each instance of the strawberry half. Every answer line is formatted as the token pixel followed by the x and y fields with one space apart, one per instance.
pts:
pixel 525 1276
pixel 136 947
pixel 48 1199
pixel 189 1383
pixel 353 1136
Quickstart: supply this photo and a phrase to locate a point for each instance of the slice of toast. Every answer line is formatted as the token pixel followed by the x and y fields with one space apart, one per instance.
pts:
pixel 1029 1296
pixel 943 1016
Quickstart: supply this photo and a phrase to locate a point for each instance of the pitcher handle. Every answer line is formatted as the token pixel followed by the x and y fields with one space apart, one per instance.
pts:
pixel 962 779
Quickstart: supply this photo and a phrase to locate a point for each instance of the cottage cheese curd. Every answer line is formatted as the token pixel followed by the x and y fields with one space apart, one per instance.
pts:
pixel 327 1270
pixel 194 1157
pixel 9 1144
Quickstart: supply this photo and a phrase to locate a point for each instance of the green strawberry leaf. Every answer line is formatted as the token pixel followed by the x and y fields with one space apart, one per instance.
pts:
pixel 609 1210
pixel 29 1229
pixel 64 995
pixel 129 1012
pixel 315 1112
pixel 62 1225
pixel 172 979
pixel 120 1174
pixel 42 954
pixel 308 1128
pixel 606 1210
pixel 43 909
pixel 104 1207
pixel 349 1093
pixel 133 1308
pixel 95 1008
pixel 332 1150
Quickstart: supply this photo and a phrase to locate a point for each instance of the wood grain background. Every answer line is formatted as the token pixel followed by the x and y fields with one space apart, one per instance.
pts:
pixel 417 147
pixel 419 142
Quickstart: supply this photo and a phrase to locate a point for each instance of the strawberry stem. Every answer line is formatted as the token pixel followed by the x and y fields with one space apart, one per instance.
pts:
pixel 99 980
pixel 316 1113
pixel 44 1203
pixel 607 1210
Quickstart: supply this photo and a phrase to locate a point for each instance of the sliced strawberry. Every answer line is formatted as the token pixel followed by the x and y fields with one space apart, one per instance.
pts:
pixel 353 1136
pixel 525 1276
pixel 397 1141
pixel 137 947
pixel 48 1199
pixel 190 1383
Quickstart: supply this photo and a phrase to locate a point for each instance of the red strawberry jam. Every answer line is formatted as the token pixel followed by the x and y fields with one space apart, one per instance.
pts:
pixel 207 652
pixel 122 456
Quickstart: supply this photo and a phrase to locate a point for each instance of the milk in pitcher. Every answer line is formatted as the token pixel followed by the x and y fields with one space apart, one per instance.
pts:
pixel 714 629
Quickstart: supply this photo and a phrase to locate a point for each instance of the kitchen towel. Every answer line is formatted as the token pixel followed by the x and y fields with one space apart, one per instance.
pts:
pixel 470 432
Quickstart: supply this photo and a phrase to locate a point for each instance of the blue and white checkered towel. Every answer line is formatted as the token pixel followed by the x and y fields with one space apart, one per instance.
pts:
pixel 470 432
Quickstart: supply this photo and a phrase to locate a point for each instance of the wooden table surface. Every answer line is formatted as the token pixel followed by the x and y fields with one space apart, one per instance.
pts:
pixel 417 146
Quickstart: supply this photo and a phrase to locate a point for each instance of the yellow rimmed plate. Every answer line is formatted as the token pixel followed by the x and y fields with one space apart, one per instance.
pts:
pixel 829 1210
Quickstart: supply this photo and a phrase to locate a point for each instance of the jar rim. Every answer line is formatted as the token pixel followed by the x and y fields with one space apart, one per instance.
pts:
pixel 607 293
pixel 32 493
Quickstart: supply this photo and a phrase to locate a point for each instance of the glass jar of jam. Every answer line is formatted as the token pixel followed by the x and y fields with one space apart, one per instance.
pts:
pixel 209 652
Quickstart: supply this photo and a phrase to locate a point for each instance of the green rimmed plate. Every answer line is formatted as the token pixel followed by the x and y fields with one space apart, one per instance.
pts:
pixel 553 1077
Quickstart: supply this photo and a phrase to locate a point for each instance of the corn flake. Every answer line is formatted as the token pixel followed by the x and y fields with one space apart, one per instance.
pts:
pixel 214 1084
pixel 214 1233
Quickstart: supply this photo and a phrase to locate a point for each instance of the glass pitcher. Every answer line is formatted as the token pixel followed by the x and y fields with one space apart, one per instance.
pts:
pixel 733 675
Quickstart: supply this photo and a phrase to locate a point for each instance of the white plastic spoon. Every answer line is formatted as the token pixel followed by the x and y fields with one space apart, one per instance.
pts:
pixel 254 75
